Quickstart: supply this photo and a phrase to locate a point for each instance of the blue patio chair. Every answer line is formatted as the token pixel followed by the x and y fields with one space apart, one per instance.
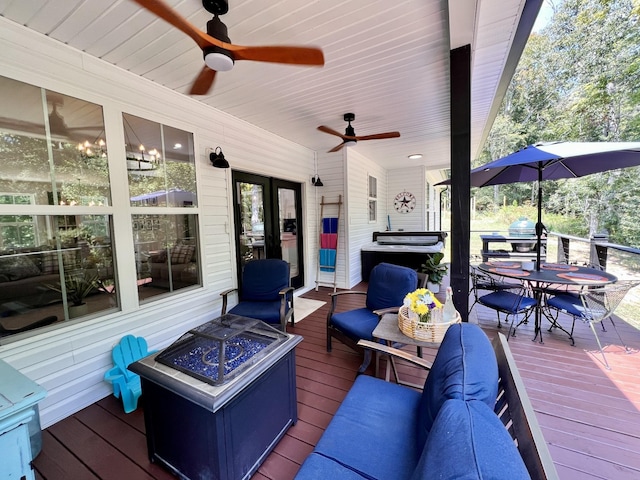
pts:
pixel 481 281
pixel 388 285
pixel 511 303
pixel 592 305
pixel 265 293
pixel 126 384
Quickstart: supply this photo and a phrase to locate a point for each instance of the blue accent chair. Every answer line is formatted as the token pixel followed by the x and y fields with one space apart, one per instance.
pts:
pixel 265 293
pixel 126 384
pixel 388 285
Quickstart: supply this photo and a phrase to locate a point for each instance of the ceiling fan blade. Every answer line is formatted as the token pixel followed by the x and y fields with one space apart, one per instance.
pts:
pixel 165 12
pixel 379 136
pixel 275 54
pixel 80 129
pixel 337 148
pixel 278 54
pixel 203 82
pixel 330 131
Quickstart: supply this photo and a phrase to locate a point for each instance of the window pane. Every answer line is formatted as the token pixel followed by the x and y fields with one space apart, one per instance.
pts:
pixel 52 259
pixel 45 135
pixel 160 162
pixel 181 168
pixel 166 253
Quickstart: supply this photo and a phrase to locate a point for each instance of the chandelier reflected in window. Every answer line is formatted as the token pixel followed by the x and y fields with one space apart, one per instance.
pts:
pixel 92 150
pixel 139 160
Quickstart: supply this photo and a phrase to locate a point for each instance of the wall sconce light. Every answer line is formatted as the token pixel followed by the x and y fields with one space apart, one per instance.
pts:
pixel 316 182
pixel 217 159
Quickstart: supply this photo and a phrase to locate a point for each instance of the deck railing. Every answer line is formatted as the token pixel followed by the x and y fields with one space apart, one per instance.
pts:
pixel 620 260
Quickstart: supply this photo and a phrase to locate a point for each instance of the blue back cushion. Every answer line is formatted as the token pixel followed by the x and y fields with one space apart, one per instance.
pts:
pixel 389 284
pixel 469 442
pixel 263 279
pixel 465 368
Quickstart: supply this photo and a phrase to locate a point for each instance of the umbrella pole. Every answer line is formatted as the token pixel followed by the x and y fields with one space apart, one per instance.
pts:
pixel 539 226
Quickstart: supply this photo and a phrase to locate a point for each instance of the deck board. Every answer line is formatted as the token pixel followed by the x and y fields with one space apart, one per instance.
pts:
pixel 590 416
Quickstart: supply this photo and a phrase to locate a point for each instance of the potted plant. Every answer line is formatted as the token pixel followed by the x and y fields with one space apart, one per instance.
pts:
pixel 434 270
pixel 77 287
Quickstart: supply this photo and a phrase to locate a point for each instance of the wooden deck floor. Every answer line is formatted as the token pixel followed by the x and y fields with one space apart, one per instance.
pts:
pixel 590 416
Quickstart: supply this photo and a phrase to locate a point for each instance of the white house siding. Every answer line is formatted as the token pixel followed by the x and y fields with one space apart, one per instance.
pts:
pixel 408 180
pixel 331 169
pixel 69 362
pixel 360 230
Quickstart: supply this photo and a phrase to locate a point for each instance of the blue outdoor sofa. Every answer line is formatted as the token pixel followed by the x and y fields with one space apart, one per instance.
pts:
pixel 453 429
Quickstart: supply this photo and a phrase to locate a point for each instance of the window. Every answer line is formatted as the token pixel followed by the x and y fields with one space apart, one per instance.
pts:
pixel 373 199
pixel 161 170
pixel 160 164
pixel 17 230
pixel 54 156
pixel 59 264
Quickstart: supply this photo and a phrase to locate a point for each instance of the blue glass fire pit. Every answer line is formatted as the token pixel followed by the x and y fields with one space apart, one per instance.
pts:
pixel 217 351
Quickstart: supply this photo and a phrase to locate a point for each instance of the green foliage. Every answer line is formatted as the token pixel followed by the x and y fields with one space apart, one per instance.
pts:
pixel 577 80
pixel 434 269
pixel 78 286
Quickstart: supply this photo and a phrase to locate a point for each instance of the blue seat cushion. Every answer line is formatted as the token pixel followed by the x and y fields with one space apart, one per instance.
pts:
pixel 506 301
pixel 389 284
pixel 266 311
pixel 317 467
pixel 373 431
pixel 568 303
pixel 262 280
pixel 465 368
pixel 356 324
pixel 469 442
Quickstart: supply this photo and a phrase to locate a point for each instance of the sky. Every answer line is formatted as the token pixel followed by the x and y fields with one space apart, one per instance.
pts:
pixel 544 16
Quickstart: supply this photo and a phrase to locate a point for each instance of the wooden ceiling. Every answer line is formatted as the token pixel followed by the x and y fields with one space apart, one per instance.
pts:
pixel 385 61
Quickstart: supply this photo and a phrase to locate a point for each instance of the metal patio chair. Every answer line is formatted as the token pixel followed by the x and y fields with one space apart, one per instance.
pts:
pixel 484 282
pixel 593 305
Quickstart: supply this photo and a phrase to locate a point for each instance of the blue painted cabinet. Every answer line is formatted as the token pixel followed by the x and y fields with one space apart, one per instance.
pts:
pixel 19 397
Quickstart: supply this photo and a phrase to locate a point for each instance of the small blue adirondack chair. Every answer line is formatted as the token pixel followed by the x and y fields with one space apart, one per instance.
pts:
pixel 126 384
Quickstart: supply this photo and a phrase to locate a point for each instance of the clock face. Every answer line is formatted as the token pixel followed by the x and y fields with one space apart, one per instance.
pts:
pixel 404 202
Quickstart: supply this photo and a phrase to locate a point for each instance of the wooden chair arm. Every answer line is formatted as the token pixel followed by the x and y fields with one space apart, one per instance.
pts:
pixel 334 301
pixel 286 315
pixel 284 291
pixel 227 292
pixel 378 347
pixel 346 292
pixel 384 311
pixel 224 299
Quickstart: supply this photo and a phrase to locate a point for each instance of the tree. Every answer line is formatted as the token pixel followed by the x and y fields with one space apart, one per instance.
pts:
pixel 577 80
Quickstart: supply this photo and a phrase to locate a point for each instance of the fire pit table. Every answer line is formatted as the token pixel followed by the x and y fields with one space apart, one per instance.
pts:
pixel 218 400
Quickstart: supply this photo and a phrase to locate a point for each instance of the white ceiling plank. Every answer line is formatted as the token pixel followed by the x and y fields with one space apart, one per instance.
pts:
pixel 386 62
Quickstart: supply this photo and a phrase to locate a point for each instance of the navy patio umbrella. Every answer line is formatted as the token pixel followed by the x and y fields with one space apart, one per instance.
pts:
pixel 554 161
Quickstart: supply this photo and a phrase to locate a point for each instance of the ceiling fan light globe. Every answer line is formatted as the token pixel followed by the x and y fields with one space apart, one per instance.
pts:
pixel 218 62
pixel 350 143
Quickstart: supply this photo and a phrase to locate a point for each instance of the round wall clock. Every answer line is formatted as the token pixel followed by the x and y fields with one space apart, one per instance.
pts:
pixel 404 202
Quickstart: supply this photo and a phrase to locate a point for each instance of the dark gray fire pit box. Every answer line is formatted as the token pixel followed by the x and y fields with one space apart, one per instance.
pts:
pixel 213 421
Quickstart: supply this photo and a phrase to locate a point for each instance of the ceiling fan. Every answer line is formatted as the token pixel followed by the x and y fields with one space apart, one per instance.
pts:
pixel 219 53
pixel 350 138
pixel 58 128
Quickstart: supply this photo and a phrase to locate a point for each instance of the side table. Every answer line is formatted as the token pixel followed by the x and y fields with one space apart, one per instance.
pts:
pixel 389 331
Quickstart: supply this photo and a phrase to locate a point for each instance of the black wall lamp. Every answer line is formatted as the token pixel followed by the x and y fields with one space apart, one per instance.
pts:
pixel 316 182
pixel 217 159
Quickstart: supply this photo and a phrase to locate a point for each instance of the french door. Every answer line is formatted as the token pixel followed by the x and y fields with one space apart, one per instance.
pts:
pixel 268 212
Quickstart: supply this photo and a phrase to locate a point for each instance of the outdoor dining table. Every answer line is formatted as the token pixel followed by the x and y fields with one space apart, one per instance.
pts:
pixel 549 275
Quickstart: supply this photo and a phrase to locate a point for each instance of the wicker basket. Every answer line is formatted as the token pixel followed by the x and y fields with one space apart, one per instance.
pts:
pixel 424 332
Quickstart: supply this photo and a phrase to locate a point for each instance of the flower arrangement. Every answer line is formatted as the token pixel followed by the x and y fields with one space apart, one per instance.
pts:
pixel 424 305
